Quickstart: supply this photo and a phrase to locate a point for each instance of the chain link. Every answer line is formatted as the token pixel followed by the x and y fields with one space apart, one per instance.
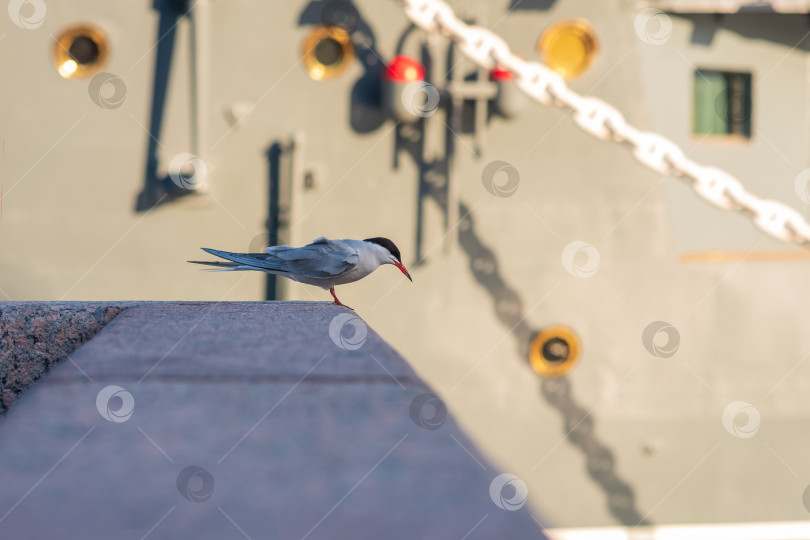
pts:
pixel 607 123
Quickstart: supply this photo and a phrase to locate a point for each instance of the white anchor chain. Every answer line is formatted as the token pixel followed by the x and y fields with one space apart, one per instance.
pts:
pixel 605 122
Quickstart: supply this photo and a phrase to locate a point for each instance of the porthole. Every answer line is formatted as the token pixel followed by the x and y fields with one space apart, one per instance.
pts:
pixel 554 351
pixel 569 47
pixel 328 52
pixel 80 51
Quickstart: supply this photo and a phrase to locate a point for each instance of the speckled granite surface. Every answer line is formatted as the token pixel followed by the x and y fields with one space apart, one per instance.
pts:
pixel 36 335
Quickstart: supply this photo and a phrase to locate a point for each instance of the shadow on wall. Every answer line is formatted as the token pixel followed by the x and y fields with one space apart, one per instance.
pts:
pixel 530 4
pixel 157 190
pixel 790 30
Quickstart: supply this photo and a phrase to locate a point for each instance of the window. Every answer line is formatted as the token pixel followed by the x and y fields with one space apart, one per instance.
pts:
pixel 722 104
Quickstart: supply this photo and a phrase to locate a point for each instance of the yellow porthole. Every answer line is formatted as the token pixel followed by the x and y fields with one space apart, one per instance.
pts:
pixel 80 51
pixel 328 52
pixel 554 351
pixel 569 47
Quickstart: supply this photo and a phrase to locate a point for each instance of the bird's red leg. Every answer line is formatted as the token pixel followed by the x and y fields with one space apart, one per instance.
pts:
pixel 338 302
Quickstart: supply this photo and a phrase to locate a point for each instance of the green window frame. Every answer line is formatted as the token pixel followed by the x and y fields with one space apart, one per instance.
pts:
pixel 723 104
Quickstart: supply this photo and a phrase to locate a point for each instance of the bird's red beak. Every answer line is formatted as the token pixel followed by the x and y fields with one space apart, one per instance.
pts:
pixel 403 270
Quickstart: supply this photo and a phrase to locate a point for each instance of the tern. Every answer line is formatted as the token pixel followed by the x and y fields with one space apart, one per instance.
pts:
pixel 325 263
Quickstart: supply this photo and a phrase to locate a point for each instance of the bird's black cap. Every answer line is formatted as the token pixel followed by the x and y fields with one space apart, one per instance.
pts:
pixel 387 244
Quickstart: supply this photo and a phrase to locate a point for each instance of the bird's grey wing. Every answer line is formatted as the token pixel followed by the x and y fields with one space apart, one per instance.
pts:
pixel 321 259
pixel 259 261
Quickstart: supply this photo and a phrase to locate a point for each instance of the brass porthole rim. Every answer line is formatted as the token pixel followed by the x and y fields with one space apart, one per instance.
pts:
pixel 550 368
pixel 315 68
pixel 61 50
pixel 584 28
